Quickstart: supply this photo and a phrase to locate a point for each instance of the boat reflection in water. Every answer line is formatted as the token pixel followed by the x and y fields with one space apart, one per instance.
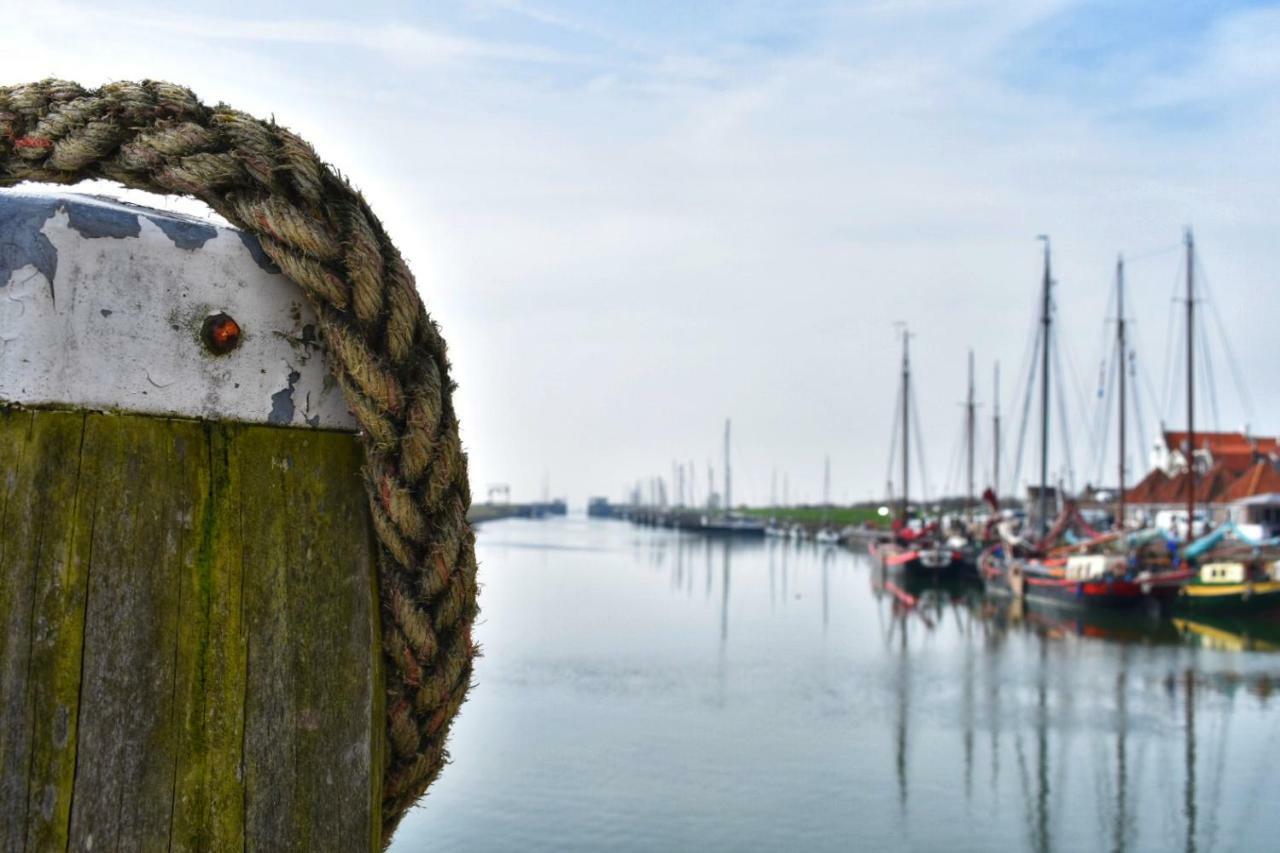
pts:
pixel 648 688
pixel 1225 634
pixel 1042 768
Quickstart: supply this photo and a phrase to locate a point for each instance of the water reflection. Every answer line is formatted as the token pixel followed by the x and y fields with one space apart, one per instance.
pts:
pixel 999 618
pixel 800 701
pixel 903 692
pixel 1189 737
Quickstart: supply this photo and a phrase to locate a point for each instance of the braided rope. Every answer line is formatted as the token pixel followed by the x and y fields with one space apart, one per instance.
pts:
pixel 386 353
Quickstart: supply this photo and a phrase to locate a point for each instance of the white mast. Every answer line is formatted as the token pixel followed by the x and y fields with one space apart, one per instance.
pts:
pixel 728 482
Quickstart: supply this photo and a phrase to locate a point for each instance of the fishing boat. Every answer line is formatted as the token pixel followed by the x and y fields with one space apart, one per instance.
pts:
pixel 1072 564
pixel 1231 586
pixel 827 536
pixel 1230 573
pixel 733 523
pixel 1017 565
pixel 1226 570
pixel 1026 568
pixel 914 549
pixel 729 522
pixel 918 550
pixel 1097 571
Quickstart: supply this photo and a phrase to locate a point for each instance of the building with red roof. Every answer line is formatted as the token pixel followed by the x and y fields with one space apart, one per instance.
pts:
pixel 1261 478
pixel 1233 473
pixel 1235 450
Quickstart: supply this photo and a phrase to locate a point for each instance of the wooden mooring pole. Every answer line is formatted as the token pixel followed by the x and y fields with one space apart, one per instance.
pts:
pixel 189 638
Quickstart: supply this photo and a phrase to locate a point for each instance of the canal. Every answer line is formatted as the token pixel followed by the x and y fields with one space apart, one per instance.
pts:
pixel 644 689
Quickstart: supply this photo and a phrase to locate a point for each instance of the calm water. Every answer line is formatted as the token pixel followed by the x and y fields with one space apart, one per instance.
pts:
pixel 649 690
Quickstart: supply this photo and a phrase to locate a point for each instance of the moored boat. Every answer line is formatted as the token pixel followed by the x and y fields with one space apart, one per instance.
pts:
pixel 922 555
pixel 733 524
pixel 919 549
pixel 827 536
pixel 1229 586
pixel 1070 564
pixel 1112 570
pixel 1084 581
pixel 729 522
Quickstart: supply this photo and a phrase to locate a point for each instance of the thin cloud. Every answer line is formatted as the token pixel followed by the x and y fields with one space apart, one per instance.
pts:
pixel 407 44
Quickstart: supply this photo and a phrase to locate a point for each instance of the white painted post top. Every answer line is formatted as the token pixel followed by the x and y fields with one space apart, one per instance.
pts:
pixel 109 306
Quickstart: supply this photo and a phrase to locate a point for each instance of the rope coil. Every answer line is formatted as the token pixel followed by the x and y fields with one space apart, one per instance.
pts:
pixel 385 351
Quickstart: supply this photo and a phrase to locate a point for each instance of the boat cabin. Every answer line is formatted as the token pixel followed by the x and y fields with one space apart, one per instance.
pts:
pixel 1087 566
pixel 1174 522
pixel 1226 572
pixel 1257 516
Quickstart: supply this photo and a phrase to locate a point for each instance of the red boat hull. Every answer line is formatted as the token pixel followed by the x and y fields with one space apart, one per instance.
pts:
pixel 1100 593
pixel 921 562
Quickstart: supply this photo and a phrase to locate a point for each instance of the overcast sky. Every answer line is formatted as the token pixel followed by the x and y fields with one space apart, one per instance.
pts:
pixel 634 220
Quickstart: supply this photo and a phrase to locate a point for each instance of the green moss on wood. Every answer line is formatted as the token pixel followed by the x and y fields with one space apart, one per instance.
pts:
pixel 15 623
pixel 146 475
pixel 211 660
pixel 42 590
pixel 307 560
pixel 189 615
pixel 58 638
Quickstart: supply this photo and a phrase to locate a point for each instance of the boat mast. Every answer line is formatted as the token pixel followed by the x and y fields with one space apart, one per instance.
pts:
pixel 969 430
pixel 826 481
pixel 728 499
pixel 1191 383
pixel 995 434
pixel 1044 393
pixel 1120 344
pixel 906 422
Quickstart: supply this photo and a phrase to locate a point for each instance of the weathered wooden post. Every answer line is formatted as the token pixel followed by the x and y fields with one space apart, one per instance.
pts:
pixel 189 640
pixel 190 654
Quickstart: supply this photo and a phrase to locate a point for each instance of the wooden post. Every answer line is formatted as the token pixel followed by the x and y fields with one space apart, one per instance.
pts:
pixel 189 639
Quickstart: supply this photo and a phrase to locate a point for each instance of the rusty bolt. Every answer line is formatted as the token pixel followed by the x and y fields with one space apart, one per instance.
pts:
pixel 221 333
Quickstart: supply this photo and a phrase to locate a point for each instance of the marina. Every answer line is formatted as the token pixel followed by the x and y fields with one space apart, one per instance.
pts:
pixel 760 693
pixel 1198 533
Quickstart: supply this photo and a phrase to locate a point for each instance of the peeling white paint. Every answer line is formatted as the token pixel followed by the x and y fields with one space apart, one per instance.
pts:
pixel 119 326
